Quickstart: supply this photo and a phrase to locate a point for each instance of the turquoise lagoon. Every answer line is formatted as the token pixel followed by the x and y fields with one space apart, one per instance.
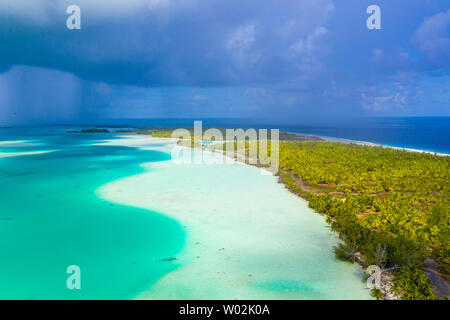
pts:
pixel 50 218
pixel 235 233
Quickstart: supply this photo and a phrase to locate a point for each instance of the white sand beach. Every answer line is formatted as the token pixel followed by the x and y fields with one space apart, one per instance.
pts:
pixel 372 144
pixel 247 236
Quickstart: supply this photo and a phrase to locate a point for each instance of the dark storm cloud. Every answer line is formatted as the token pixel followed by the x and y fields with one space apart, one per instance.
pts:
pixel 167 42
pixel 269 58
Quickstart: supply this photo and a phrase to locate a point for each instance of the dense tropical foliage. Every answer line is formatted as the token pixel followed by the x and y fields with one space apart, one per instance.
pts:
pixel 390 207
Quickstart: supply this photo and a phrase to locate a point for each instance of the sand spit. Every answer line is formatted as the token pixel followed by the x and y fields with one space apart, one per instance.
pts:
pixel 247 236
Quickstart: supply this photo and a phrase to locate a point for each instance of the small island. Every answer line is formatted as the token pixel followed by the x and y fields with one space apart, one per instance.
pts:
pixel 91 130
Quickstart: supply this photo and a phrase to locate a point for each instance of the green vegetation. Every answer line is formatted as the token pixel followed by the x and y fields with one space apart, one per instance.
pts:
pixel 412 284
pixel 376 293
pixel 161 134
pixel 166 132
pixel 389 206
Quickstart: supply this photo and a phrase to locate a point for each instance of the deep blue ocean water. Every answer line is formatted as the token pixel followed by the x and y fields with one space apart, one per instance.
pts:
pixel 425 133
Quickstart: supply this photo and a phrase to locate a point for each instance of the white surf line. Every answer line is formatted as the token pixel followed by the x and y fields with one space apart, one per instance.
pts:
pixel 19 143
pixel 13 142
pixel 18 154
pixel 370 144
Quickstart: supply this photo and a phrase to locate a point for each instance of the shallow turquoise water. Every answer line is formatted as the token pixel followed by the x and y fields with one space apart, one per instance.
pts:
pixel 73 207
pixel 247 237
pixel 50 218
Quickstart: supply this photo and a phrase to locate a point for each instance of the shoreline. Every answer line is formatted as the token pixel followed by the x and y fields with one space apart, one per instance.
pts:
pixel 372 144
pixel 387 278
pixel 131 129
pixel 294 258
pixel 309 135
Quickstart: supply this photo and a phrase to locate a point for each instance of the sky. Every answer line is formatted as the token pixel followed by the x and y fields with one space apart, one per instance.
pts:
pixel 276 59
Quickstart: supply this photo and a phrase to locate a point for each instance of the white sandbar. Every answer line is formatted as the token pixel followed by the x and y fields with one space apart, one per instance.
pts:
pixel 248 237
